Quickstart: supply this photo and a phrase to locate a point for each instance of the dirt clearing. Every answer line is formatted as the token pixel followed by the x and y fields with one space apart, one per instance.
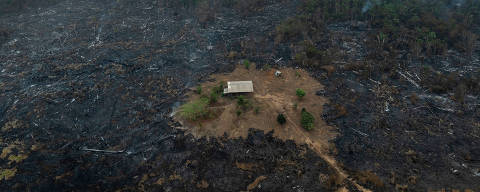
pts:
pixel 272 96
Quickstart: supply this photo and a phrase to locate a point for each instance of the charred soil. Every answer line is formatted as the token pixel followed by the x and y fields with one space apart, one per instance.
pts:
pixel 87 88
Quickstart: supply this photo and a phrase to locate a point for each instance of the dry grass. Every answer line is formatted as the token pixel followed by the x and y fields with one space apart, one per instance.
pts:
pixel 10 149
pixel 247 166
pixel 202 184
pixel 334 181
pixel 17 158
pixel 160 181
pixel 399 187
pixel 369 178
pixel 6 174
pixel 330 69
pixel 255 183
pixel 13 124
pixel 341 110
pixel 413 98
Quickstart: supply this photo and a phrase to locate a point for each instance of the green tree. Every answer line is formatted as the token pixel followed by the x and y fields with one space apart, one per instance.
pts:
pixel 300 93
pixel 213 98
pixel 246 63
pixel 307 120
pixel 199 90
pixel 281 119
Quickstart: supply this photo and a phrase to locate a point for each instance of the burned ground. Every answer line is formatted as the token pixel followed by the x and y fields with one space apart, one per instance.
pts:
pixel 394 124
pixel 80 76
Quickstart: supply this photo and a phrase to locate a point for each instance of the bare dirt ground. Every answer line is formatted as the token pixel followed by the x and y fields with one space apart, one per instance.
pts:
pixel 272 95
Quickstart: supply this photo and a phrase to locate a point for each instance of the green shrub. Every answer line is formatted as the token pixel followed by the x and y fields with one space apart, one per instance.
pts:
pixel 300 93
pixel 243 102
pixel 216 92
pixel 199 90
pixel 266 67
pixel 307 120
pixel 257 110
pixel 246 63
pixel 297 74
pixel 213 98
pixel 218 89
pixel 281 119
pixel 239 112
pixel 195 110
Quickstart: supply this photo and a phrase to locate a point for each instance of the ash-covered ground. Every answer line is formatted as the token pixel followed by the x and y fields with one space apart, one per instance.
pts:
pixel 80 76
pixel 396 125
pixel 87 88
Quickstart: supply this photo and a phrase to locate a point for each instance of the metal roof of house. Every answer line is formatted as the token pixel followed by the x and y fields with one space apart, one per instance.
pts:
pixel 239 87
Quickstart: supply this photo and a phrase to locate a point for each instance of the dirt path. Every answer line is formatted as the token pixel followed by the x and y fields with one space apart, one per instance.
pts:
pixel 272 96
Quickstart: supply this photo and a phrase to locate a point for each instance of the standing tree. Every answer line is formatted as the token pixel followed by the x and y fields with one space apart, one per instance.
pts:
pixel 300 93
pixel 281 119
pixel 307 120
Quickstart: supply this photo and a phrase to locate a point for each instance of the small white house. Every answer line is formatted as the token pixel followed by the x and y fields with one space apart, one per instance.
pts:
pixel 239 87
pixel 278 73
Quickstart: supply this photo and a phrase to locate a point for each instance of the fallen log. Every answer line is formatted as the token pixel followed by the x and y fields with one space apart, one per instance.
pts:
pixel 99 150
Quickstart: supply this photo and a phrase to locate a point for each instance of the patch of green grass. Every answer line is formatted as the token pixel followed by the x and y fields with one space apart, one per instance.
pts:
pixel 307 120
pixel 195 110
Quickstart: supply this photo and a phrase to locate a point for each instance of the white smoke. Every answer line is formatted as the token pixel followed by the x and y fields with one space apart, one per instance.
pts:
pixel 368 5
